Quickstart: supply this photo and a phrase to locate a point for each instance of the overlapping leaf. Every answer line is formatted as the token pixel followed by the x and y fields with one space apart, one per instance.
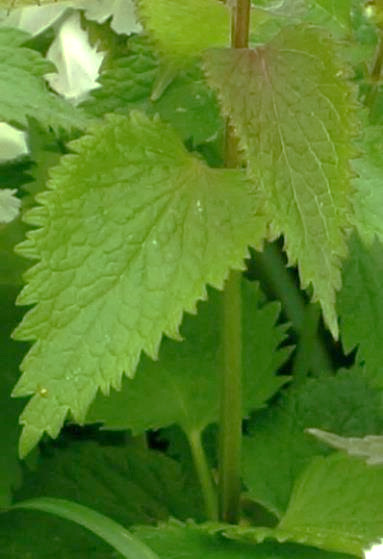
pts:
pixel 131 230
pixel 187 374
pixel 23 92
pixel 279 448
pixel 128 80
pixel 174 540
pixel 295 117
pixel 335 505
pixel 360 307
pixel 132 485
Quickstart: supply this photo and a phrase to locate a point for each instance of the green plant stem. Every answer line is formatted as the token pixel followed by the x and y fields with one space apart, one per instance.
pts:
pixel 375 75
pixel 204 475
pixel 230 437
pixel 240 24
pixel 273 268
pixel 231 403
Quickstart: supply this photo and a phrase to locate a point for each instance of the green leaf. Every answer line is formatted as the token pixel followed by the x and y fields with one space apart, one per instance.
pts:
pixel 295 125
pixel 186 376
pixel 279 449
pixel 9 409
pixel 127 483
pixel 360 307
pixel 23 91
pixel 370 448
pixel 182 29
pixel 334 15
pixel 34 535
pixel 368 199
pixel 175 540
pixel 113 533
pixel 128 80
pixel 9 205
pixel 131 230
pixel 336 505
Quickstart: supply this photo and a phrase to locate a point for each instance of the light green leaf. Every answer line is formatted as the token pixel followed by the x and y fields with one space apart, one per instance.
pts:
pixel 336 505
pixel 279 449
pixel 9 205
pixel 368 199
pixel 174 540
pixel 186 376
pixel 182 29
pixel 360 307
pixel 131 230
pixel 113 533
pixel 370 447
pixel 130 484
pixel 334 15
pixel 23 91
pixel 295 125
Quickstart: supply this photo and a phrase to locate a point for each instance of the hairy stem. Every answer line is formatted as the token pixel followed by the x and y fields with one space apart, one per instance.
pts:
pixel 231 384
pixel 204 475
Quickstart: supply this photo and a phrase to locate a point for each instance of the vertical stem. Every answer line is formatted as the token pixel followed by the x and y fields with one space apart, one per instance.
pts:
pixel 231 384
pixel 375 75
pixel 231 402
pixel 204 475
pixel 272 267
pixel 240 24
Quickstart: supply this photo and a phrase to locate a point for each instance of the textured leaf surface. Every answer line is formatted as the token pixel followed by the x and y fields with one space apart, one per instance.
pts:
pixel 368 200
pixel 129 484
pixel 370 447
pixel 360 307
pixel 295 124
pixel 173 541
pixel 114 534
pixel 183 28
pixel 34 535
pixel 187 373
pixel 131 230
pixel 279 448
pixel 23 92
pixel 128 80
pixel 336 505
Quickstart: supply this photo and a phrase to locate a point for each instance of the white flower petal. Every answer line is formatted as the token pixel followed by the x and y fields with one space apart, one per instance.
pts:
pixel 13 142
pixel 77 62
pixel 375 552
pixel 124 19
pixel 9 205
pixel 35 19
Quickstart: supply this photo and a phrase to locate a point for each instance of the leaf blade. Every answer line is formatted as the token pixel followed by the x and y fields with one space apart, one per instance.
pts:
pixel 107 529
pixel 163 211
pixel 297 155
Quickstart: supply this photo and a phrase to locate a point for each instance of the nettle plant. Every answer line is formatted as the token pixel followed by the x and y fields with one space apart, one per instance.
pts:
pixel 205 321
